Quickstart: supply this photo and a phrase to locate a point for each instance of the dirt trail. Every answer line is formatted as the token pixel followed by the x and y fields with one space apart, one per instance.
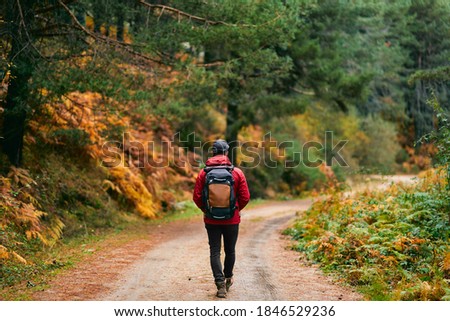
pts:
pixel 265 270
pixel 173 264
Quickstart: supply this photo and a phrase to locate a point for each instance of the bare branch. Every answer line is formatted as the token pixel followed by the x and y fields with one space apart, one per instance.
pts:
pixel 211 64
pixel 70 56
pixel 300 91
pixel 76 21
pixel 22 22
pixel 126 46
pixel 178 14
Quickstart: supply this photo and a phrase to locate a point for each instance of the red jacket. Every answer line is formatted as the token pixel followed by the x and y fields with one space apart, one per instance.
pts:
pixel 240 188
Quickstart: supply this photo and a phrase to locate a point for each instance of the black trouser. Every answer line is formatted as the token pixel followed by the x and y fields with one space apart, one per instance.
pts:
pixel 230 235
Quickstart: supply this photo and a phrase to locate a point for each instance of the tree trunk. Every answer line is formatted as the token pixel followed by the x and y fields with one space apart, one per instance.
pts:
pixel 98 15
pixel 18 88
pixel 14 117
pixel 120 26
pixel 232 130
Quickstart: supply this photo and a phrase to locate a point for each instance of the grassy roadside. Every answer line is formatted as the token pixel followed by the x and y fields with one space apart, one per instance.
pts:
pixel 390 244
pixel 21 281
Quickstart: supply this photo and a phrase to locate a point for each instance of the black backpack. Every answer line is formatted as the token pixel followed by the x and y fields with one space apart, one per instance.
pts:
pixel 218 193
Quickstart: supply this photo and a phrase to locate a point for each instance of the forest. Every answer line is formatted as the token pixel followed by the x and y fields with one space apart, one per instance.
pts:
pixel 108 110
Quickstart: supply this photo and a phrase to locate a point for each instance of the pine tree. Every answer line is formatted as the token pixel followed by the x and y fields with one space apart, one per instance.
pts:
pixel 331 59
pixel 428 48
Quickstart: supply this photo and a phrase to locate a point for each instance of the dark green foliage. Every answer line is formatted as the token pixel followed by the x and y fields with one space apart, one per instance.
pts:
pixel 73 138
pixel 428 47
pixel 441 138
pixel 437 74
pixel 329 54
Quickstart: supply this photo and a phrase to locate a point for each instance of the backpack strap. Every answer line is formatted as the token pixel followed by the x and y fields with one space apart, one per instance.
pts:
pixel 227 167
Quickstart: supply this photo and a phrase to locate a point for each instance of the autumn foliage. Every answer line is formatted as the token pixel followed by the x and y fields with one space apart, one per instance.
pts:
pixel 20 215
pixel 392 244
pixel 78 125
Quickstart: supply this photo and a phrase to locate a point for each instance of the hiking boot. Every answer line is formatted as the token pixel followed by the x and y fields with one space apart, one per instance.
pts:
pixel 221 290
pixel 228 283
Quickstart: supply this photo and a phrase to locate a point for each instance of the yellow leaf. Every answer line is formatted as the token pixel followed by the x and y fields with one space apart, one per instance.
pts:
pixel 3 252
pixel 446 262
pixel 19 258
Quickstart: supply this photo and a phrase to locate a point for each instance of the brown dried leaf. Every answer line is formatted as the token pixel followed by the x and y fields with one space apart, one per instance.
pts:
pixel 446 262
pixel 3 252
pixel 19 258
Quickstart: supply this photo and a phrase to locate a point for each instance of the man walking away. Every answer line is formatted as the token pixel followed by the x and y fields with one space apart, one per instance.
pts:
pixel 221 192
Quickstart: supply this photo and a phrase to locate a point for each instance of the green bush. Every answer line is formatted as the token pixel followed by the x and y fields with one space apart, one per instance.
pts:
pixel 74 137
pixel 382 148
